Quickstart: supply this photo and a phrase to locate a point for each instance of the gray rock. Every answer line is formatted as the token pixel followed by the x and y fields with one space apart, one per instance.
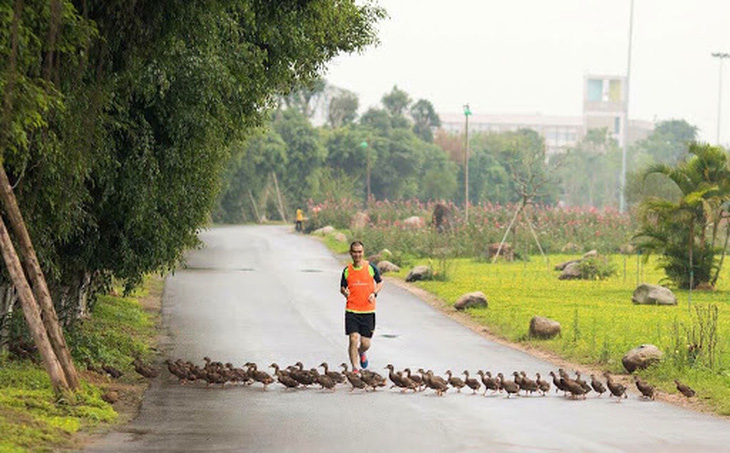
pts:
pixel 475 299
pixel 571 271
pixel 324 231
pixel 561 266
pixel 543 328
pixel 419 273
pixel 590 254
pixel 505 252
pixel 641 357
pixel 340 237
pixel 647 294
pixel 386 266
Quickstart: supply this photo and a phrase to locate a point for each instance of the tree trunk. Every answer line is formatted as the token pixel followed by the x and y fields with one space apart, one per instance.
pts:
pixel 31 313
pixel 36 277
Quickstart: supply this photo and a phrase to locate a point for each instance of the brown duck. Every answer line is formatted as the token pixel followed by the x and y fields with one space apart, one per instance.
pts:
pixel 455 381
pixel 597 385
pixel 510 387
pixel 472 383
pixel 542 384
pixel 325 382
pixel 334 375
pixel 647 390
pixel 415 378
pixel 284 378
pixel 489 382
pixel 685 389
pixel 436 383
pixel 616 388
pixel 558 383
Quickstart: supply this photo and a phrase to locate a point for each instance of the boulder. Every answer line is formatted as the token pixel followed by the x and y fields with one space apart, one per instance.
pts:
pixel 543 328
pixel 340 237
pixel 381 255
pixel 386 266
pixel 505 253
pixel 419 273
pixel 627 249
pixel 641 357
pixel 414 222
pixel 590 254
pixel 324 231
pixel 561 266
pixel 359 220
pixel 468 300
pixel 571 271
pixel 647 294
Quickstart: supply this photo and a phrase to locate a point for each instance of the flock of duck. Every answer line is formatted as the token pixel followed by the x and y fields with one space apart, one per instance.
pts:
pixel 296 376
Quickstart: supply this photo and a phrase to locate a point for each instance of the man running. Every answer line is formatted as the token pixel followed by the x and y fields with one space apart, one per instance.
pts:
pixel 360 284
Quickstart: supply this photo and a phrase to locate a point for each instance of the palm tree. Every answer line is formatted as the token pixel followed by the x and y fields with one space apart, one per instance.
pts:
pixel 678 228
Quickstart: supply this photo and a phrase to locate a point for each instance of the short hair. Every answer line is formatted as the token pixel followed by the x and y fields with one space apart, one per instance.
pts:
pixel 354 243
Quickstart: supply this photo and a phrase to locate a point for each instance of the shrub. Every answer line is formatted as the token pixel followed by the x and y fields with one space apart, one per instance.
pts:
pixel 596 268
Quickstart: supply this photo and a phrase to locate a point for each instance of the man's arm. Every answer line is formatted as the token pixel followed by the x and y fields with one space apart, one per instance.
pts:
pixel 378 283
pixel 344 290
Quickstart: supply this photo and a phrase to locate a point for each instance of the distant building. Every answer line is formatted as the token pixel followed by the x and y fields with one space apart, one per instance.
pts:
pixel 603 107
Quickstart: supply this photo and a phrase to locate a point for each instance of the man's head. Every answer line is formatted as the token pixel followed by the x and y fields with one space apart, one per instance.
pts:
pixel 357 250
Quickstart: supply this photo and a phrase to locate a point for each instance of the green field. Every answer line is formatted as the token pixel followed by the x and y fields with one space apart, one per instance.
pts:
pixel 598 320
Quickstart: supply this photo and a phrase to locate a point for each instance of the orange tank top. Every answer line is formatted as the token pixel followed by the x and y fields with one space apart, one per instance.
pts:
pixel 361 284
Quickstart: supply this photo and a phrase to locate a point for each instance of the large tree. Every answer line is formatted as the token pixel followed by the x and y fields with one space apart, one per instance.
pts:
pixel 118 116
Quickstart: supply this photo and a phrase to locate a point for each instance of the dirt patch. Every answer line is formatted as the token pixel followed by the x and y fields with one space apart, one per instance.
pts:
pixel 695 404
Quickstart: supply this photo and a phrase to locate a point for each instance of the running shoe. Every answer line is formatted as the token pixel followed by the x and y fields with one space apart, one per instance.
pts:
pixel 363 360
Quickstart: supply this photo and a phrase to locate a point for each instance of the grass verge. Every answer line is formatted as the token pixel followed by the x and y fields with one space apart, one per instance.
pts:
pixel 121 328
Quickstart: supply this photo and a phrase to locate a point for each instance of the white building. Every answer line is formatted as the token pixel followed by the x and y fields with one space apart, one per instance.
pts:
pixel 603 107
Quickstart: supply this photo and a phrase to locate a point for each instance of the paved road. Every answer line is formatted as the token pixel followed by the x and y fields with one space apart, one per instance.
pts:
pixel 264 294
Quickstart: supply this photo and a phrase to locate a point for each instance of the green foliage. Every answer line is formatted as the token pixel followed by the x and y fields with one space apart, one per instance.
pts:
pixel 396 102
pixel 425 119
pixel 342 109
pixel 597 268
pixel 684 229
pixel 117 135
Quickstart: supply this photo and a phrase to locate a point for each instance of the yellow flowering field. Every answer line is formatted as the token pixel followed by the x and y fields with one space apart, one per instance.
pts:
pixel 599 322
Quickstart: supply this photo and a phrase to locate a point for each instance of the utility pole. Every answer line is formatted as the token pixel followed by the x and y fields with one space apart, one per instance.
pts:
pixel 721 56
pixel 624 148
pixel 467 112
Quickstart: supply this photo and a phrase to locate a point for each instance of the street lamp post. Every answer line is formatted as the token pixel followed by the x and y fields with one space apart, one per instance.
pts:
pixel 721 56
pixel 467 112
pixel 364 145
pixel 624 148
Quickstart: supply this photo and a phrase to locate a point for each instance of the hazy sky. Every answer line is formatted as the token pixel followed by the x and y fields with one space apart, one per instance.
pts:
pixel 530 56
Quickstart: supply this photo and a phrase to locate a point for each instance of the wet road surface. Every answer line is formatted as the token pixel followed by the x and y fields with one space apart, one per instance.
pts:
pixel 264 294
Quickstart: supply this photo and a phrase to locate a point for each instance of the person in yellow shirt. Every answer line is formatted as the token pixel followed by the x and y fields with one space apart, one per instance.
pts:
pixel 300 219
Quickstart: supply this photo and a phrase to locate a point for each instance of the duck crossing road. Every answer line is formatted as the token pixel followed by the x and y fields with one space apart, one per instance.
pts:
pixel 263 294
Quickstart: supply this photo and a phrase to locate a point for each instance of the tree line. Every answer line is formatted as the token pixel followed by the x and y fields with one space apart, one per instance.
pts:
pixel 117 124
pixel 398 151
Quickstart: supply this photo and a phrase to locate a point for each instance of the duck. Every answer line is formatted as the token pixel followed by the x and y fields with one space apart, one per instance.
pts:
pixel 436 383
pixel 113 372
pixel 511 387
pixel 616 389
pixel 415 378
pixel 558 383
pixel 334 375
pixel 394 377
pixel 542 384
pixel 145 370
pixel 582 383
pixel 372 379
pixel 574 388
pixel 685 389
pixel 597 385
pixel 489 382
pixel 304 377
pixel 355 380
pixel 472 383
pixel 259 376
pixel 325 382
pixel 178 371
pixel 455 381
pixel 284 378
pixel 526 384
pixel 647 390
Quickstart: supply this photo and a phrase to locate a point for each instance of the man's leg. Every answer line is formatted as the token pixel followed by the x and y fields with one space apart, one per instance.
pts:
pixel 353 350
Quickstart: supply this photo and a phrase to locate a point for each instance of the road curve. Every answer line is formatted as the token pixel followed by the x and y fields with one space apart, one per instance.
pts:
pixel 264 294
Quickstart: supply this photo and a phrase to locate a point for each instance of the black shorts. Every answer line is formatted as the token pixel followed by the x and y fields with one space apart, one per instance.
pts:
pixel 362 323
